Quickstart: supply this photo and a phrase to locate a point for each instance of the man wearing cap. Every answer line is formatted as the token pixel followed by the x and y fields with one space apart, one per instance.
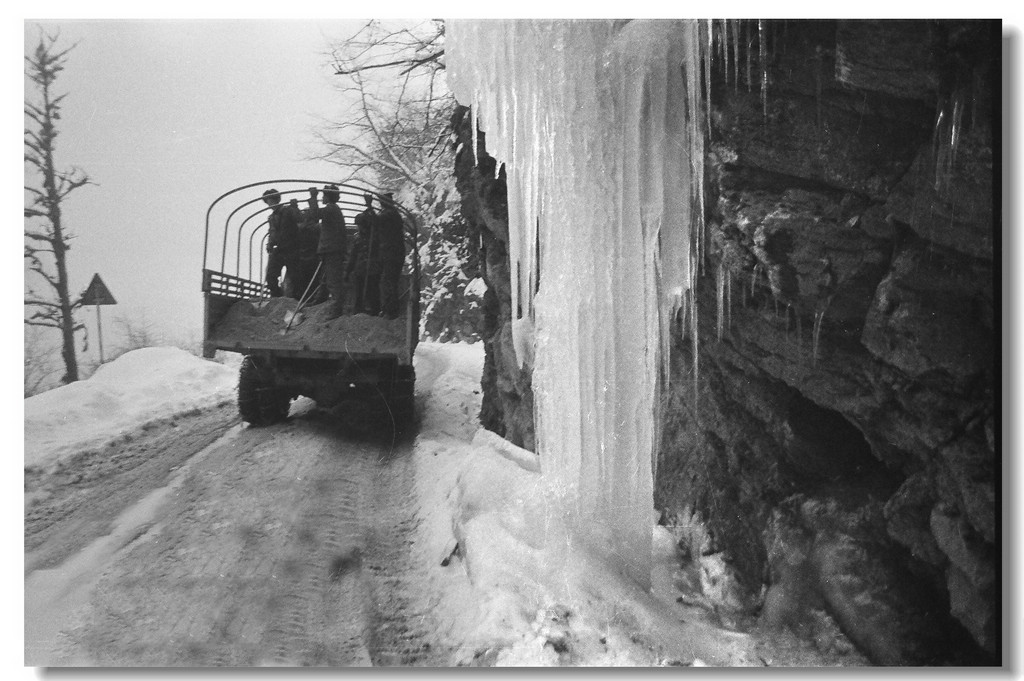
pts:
pixel 364 263
pixel 281 240
pixel 390 233
pixel 308 241
pixel 331 247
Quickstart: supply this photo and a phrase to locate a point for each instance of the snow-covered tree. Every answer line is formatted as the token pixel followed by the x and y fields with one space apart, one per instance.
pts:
pixel 397 135
pixel 47 240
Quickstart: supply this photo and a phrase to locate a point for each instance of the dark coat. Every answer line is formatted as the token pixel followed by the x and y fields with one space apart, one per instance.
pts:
pixel 283 232
pixel 309 232
pixel 366 248
pixel 332 229
pixel 390 234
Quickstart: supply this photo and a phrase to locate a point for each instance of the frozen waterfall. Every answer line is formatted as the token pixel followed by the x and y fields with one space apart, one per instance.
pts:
pixel 600 125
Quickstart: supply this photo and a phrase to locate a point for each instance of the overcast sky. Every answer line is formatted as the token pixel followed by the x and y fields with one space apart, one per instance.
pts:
pixel 164 116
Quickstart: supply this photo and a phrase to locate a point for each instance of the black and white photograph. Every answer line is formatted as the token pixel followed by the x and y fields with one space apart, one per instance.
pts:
pixel 519 342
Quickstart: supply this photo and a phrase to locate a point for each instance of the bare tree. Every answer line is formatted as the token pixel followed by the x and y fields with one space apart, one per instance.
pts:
pixel 377 45
pixel 398 134
pixel 46 239
pixel 394 77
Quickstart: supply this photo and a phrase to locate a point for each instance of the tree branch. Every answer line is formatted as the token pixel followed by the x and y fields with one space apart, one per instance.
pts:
pixel 38 236
pixel 52 325
pixel 42 303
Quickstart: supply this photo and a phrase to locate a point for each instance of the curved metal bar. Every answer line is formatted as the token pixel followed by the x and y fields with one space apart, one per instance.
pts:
pixel 263 248
pixel 249 273
pixel 228 193
pixel 254 232
pixel 238 241
pixel 209 211
pixel 347 189
pixel 227 222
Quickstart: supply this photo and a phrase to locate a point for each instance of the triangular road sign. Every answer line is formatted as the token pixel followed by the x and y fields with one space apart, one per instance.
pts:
pixel 97 293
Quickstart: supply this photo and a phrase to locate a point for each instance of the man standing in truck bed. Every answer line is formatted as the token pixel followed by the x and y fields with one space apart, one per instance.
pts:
pixel 308 241
pixel 282 233
pixel 331 248
pixel 390 233
pixel 364 262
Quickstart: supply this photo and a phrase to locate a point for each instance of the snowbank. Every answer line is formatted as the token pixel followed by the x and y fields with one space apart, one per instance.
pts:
pixel 505 574
pixel 121 396
pixel 508 577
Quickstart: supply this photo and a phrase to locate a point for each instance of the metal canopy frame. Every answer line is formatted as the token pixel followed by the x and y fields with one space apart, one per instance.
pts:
pixel 246 210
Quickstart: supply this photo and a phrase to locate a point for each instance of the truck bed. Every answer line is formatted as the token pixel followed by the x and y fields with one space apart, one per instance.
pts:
pixel 253 325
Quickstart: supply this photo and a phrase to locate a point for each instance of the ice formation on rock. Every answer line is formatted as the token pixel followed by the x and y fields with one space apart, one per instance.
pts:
pixel 600 126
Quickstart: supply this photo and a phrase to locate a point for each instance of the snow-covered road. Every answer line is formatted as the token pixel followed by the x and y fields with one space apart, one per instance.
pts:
pixel 167 533
pixel 285 545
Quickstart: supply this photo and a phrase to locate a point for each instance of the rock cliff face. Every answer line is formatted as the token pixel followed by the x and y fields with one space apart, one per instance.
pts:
pixel 841 441
pixel 507 405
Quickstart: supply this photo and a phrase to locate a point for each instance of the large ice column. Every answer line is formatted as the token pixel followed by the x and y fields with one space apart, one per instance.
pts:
pixel 600 127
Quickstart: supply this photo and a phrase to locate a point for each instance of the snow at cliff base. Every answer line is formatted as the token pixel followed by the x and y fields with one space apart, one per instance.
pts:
pixel 507 576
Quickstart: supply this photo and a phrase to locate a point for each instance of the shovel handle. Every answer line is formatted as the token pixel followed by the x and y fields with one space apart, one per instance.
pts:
pixel 305 297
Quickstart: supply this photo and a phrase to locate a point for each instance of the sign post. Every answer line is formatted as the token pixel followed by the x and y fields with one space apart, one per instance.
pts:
pixel 98 294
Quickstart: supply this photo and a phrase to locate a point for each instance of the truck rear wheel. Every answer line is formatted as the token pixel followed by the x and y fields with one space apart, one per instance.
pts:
pixel 402 400
pixel 260 401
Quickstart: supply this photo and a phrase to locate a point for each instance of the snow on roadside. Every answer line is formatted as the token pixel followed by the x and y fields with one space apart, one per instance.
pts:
pixel 121 397
pixel 506 578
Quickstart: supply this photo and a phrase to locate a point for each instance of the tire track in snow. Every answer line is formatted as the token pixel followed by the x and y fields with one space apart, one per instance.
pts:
pixel 321 621
pixel 283 546
pixel 76 502
pixel 402 633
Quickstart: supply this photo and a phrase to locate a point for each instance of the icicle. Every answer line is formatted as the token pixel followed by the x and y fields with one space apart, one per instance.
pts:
pixel 720 291
pixel 723 32
pixel 946 137
pixel 728 300
pixel 937 147
pixel 819 318
pixel 694 339
pixel 762 41
pixel 954 135
pixel 473 121
pixel 735 54
pixel 600 125
pixel 707 68
pixel 953 132
pixel 750 49
pixel 684 320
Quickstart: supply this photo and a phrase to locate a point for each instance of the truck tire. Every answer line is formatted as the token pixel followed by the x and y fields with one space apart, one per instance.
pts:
pixel 402 400
pixel 260 402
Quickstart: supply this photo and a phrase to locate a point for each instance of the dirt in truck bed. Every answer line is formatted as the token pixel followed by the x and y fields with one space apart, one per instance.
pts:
pixel 253 321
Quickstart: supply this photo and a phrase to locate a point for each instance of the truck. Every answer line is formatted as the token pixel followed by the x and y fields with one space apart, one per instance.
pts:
pixel 357 366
